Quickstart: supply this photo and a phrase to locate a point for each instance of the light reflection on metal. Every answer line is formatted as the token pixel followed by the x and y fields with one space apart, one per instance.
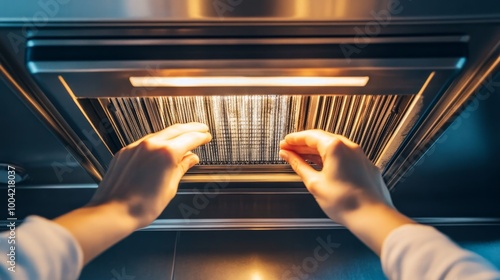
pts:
pixel 293 223
pixel 408 120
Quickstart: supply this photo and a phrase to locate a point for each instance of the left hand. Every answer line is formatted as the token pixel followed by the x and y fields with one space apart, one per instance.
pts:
pixel 144 176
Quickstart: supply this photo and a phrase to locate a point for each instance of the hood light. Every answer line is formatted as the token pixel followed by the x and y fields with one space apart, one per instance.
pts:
pixel 232 81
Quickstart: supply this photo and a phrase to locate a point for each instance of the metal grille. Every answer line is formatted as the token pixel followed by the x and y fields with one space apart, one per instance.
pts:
pixel 247 129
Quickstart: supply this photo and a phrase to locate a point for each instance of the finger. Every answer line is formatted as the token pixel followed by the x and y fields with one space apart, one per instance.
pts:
pixel 188 162
pixel 188 153
pixel 346 140
pixel 172 131
pixel 178 129
pixel 314 139
pixel 133 144
pixel 299 165
pixel 303 150
pixel 307 153
pixel 188 141
pixel 315 159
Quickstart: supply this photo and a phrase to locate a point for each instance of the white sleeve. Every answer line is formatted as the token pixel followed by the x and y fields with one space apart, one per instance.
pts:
pixel 422 252
pixel 42 250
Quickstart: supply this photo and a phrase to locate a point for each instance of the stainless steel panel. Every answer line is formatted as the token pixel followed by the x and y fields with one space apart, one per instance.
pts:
pixel 28 142
pixel 142 255
pixel 244 10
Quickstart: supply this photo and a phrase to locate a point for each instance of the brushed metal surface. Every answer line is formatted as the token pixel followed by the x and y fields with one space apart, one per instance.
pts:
pixel 245 10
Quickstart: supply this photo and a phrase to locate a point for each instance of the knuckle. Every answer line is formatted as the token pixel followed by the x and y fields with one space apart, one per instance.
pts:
pixel 197 136
pixel 168 148
pixel 312 181
pixel 167 153
pixel 334 144
pixel 146 145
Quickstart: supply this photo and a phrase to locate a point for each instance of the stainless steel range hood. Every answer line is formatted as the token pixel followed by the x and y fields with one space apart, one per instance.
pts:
pixel 390 75
pixel 257 97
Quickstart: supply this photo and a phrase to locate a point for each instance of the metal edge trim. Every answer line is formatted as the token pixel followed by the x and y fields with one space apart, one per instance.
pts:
pixel 302 223
pixel 287 224
pixel 407 122
pixel 88 162
pixel 180 191
pixel 61 67
pixel 344 40
pixel 445 118
pixel 257 21
pixel 84 113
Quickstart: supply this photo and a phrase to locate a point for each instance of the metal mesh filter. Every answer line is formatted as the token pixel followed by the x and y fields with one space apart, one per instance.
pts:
pixel 247 129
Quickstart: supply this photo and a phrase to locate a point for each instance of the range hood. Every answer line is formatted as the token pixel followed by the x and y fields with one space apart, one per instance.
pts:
pixel 389 75
pixel 251 92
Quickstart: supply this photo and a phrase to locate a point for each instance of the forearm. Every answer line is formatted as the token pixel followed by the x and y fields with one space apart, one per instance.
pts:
pixel 96 228
pixel 373 223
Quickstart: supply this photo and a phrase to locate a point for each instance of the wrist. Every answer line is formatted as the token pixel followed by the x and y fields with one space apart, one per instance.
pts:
pixel 364 212
pixel 372 223
pixel 96 227
pixel 116 211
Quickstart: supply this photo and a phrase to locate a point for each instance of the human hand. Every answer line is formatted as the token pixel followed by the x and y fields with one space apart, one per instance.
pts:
pixel 347 182
pixel 144 176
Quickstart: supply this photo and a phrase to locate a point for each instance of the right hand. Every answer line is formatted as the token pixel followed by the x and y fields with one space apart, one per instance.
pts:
pixel 347 182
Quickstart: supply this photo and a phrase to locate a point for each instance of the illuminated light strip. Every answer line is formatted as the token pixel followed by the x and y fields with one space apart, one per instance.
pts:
pixel 233 81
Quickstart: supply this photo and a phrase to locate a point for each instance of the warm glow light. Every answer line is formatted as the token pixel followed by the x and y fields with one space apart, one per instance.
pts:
pixel 230 81
pixel 256 276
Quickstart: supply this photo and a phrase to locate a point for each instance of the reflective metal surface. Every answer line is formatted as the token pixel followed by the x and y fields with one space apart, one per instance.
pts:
pixel 24 11
pixel 484 83
pixel 57 125
pixel 316 254
pixel 256 224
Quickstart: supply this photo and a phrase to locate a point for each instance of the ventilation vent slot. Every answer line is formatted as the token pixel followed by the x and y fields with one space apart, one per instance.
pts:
pixel 247 129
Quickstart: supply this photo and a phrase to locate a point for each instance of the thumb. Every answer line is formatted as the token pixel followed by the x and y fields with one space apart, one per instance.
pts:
pixel 299 165
pixel 188 161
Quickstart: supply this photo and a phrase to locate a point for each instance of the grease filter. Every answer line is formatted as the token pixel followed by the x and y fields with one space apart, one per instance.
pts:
pixel 247 129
